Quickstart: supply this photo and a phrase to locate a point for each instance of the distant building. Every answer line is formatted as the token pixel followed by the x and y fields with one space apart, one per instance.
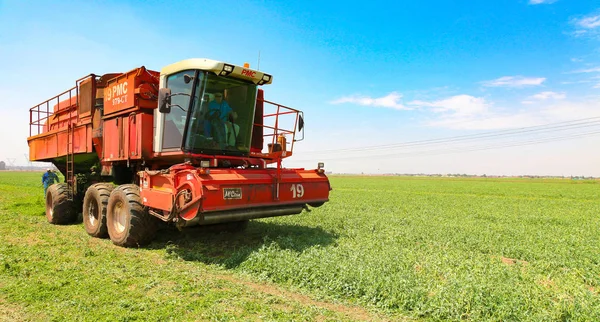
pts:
pixel 2 165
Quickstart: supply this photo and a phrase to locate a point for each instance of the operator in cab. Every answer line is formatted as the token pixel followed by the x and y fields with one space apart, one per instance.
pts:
pixel 220 122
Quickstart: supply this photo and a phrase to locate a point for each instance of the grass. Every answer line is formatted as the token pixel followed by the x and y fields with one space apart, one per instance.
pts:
pixel 383 248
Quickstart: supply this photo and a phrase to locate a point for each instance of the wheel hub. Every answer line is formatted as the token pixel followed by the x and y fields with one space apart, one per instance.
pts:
pixel 93 213
pixel 120 217
pixel 49 209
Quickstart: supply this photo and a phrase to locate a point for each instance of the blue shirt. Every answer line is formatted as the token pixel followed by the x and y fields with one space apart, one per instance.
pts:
pixel 223 108
pixel 49 178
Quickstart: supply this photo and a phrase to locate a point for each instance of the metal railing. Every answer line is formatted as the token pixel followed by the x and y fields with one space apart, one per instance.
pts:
pixel 64 104
pixel 273 133
pixel 41 113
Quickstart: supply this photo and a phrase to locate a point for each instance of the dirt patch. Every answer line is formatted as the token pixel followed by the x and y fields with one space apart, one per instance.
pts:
pixel 508 261
pixel 159 261
pixel 32 239
pixel 351 312
pixel 10 312
pixel 160 287
pixel 547 283
pixel 512 261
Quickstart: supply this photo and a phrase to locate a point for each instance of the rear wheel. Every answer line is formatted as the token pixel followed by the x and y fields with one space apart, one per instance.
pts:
pixel 59 209
pixel 95 204
pixel 129 224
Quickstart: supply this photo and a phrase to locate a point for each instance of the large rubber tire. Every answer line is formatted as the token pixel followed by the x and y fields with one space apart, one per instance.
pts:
pixel 95 204
pixel 129 224
pixel 59 209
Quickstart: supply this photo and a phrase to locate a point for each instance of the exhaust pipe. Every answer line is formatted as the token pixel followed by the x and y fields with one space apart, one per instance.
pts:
pixel 219 217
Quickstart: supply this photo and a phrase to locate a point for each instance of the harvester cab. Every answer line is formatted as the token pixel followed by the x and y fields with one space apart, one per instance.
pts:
pixel 196 144
pixel 208 107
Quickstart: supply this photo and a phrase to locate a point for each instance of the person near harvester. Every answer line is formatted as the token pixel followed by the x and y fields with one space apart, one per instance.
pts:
pixel 48 179
pixel 220 118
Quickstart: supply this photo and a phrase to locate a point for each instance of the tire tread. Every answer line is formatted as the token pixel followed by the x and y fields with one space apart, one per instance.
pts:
pixel 142 226
pixel 63 209
pixel 101 192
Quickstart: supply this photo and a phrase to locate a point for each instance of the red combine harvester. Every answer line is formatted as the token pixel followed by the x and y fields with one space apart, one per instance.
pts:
pixel 195 144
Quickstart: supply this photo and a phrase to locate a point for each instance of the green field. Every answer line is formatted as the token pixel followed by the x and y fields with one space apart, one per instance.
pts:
pixel 384 248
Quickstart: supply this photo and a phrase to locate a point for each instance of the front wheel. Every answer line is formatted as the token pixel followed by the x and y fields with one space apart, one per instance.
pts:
pixel 129 224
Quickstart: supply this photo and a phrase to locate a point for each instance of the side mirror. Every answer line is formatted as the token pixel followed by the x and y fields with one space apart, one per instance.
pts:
pixel 187 78
pixel 300 126
pixel 164 100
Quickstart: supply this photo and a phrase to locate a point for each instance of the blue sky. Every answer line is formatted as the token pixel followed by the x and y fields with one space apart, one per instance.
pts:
pixel 365 74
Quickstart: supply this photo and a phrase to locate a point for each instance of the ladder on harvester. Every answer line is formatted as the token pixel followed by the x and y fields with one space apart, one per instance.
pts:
pixel 72 122
pixel 70 172
pixel 70 169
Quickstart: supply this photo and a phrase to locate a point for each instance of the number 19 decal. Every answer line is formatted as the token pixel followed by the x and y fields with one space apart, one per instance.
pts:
pixel 297 190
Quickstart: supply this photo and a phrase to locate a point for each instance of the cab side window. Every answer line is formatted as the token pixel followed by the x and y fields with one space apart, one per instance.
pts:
pixel 175 121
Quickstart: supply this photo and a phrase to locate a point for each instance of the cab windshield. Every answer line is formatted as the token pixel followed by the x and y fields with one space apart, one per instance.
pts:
pixel 215 114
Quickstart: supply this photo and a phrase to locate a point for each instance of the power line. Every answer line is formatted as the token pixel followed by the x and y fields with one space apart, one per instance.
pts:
pixel 538 129
pixel 514 144
pixel 559 126
pixel 467 148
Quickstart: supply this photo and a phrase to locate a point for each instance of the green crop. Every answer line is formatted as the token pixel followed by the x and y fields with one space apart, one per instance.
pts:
pixel 382 248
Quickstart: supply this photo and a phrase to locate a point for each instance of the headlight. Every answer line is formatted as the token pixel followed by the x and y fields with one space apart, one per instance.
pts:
pixel 228 68
pixel 204 164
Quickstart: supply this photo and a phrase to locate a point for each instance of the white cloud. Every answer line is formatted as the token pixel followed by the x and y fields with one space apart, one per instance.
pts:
pixel 462 105
pixel 514 81
pixel 392 100
pixel 576 82
pixel 531 116
pixel 549 95
pixel 587 70
pixel 587 26
pixel 580 32
pixel 544 96
pixel 466 112
pixel 541 1
pixel 589 22
pixel 488 122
